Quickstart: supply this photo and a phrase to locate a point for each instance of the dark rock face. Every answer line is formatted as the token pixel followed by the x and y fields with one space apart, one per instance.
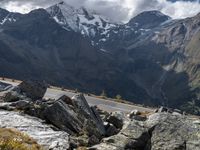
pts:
pixel 63 117
pixel 32 89
pixel 91 111
pixel 110 129
pixel 116 119
pixel 68 115
pixel 148 19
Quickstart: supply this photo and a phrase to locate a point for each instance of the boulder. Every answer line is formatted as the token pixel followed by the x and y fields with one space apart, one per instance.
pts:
pixel 21 104
pixel 91 111
pixel 137 115
pixel 174 132
pixel 4 86
pixel 134 136
pixel 103 114
pixel 11 96
pixel 160 131
pixel 64 116
pixel 134 113
pixel 33 89
pixel 176 113
pixel 117 119
pixel 139 118
pixel 77 118
pixel 110 129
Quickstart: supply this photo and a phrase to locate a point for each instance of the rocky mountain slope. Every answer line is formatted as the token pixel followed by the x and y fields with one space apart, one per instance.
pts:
pixel 151 60
pixel 70 123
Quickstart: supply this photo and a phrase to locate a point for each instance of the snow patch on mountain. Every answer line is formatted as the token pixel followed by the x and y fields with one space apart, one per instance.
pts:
pixel 81 20
pixel 8 18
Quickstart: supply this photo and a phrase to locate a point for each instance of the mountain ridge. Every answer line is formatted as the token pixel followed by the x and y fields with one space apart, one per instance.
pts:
pixel 147 63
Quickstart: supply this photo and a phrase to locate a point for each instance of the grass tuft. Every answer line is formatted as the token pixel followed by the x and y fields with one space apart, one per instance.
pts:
pixel 11 139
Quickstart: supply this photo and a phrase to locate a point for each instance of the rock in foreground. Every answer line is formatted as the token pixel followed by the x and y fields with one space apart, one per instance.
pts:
pixel 33 89
pixel 161 131
pixel 73 116
pixel 35 128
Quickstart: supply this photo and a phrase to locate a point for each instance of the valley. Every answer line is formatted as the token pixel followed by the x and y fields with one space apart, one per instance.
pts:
pixel 151 60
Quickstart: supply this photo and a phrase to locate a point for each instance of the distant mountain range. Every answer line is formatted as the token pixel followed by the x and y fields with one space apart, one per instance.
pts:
pixel 151 60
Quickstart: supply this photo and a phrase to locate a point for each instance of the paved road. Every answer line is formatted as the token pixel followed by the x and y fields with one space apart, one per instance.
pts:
pixel 103 104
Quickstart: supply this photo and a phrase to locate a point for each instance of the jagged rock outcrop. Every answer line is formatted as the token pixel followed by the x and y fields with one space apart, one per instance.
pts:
pixel 91 111
pixel 77 124
pixel 159 131
pixel 133 136
pixel 173 132
pixel 76 118
pixel 73 116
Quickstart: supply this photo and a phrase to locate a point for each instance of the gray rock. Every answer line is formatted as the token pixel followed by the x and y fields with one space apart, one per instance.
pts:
pixel 103 114
pixel 117 119
pixel 6 106
pixel 77 118
pixel 139 118
pixel 173 132
pixel 92 112
pixel 176 113
pixel 35 128
pixel 61 115
pixel 21 104
pixel 33 89
pixel 93 140
pixel 11 96
pixel 161 131
pixel 71 115
pixel 134 113
pixel 4 86
pixel 134 136
pixel 111 129
pixel 162 109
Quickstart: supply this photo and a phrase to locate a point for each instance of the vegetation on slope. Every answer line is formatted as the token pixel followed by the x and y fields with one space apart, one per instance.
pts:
pixel 11 139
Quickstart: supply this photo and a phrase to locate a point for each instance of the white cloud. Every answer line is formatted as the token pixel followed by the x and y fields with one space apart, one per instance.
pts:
pixel 180 9
pixel 22 8
pixel 119 10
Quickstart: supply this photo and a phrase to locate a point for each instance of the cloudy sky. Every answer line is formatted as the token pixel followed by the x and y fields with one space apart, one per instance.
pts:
pixel 119 10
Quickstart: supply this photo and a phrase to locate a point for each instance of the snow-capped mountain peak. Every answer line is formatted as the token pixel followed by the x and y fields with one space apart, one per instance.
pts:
pixel 101 30
pixel 81 20
pixel 64 14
